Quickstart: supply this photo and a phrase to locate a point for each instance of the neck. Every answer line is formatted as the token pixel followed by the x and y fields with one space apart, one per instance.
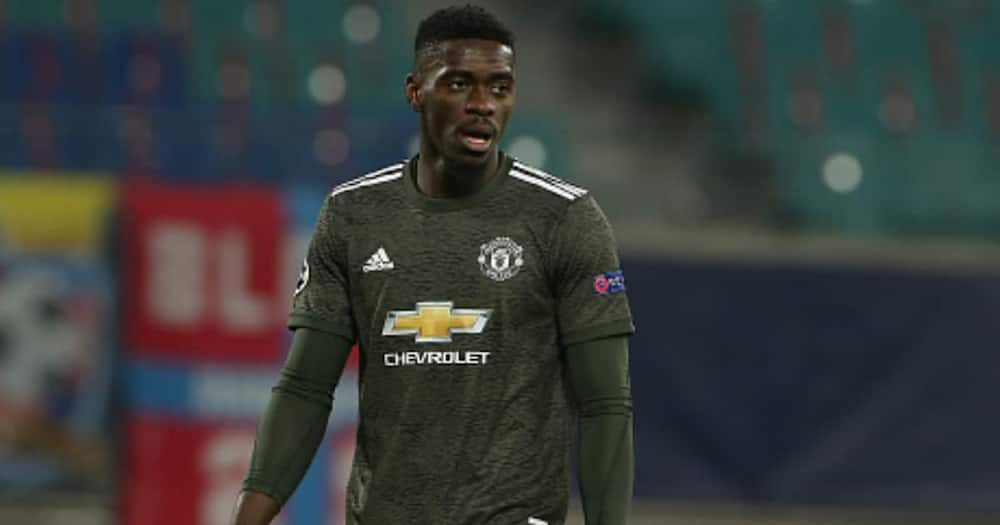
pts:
pixel 438 178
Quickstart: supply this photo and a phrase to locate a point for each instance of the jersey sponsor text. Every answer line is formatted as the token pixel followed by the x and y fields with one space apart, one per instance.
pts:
pixel 395 359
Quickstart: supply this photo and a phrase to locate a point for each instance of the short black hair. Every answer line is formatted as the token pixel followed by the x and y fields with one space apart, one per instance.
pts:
pixel 458 22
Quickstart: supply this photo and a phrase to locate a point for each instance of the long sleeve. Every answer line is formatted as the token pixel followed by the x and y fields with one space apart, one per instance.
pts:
pixel 295 420
pixel 598 373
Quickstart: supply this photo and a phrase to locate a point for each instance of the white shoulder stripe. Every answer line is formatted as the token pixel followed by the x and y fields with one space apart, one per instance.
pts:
pixel 549 178
pixel 384 171
pixel 531 179
pixel 366 182
pixel 575 191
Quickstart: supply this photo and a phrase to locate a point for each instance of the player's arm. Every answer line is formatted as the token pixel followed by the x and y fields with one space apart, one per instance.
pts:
pixel 293 424
pixel 598 374
pixel 594 324
pixel 295 420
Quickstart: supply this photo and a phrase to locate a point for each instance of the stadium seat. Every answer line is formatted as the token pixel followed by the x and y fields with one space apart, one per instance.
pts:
pixel 185 140
pixel 11 154
pixel 38 65
pixel 979 60
pixel 317 24
pixel 27 16
pixel 89 136
pixel 48 67
pixel 9 63
pixel 128 16
pixel 793 56
pixel 147 69
pixel 809 191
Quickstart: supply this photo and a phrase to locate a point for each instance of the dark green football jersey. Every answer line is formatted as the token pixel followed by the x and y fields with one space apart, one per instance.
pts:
pixel 461 308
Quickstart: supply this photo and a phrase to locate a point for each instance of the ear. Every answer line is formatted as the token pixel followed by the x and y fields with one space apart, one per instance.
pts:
pixel 413 94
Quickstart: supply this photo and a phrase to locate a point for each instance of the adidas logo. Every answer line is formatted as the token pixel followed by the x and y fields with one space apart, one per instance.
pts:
pixel 379 261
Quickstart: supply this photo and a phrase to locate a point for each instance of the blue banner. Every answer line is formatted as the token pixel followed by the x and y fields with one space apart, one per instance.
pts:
pixel 801 383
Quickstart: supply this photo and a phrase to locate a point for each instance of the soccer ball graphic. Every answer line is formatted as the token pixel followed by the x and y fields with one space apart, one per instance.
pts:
pixel 47 336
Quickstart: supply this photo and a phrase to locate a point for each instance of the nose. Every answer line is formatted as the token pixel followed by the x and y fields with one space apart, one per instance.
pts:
pixel 479 102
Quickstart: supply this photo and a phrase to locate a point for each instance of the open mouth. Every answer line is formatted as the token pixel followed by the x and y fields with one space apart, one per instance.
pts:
pixel 475 140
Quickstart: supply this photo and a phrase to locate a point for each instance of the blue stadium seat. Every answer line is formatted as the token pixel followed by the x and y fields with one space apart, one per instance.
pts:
pixel 52 68
pixel 11 154
pixel 184 139
pixel 161 57
pixel 298 160
pixel 37 68
pixel 40 135
pixel 367 145
pixel 90 137
pixel 230 145
pixel 8 68
pixel 380 137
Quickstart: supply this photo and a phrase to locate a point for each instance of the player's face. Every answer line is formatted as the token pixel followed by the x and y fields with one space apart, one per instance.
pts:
pixel 465 95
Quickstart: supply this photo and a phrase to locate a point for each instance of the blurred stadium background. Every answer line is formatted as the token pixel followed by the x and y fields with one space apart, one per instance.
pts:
pixel 805 192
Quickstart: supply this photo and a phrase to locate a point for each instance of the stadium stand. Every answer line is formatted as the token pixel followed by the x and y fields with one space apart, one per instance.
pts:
pixel 863 106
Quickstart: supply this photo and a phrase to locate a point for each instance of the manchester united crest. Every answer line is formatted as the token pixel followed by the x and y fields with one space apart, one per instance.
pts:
pixel 501 258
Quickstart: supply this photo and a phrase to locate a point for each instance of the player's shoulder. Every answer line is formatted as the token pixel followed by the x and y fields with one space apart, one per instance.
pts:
pixel 368 183
pixel 550 188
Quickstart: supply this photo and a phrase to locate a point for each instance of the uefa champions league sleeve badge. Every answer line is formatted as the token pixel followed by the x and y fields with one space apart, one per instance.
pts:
pixel 501 258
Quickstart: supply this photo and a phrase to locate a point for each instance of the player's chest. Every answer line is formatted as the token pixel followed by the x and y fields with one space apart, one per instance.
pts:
pixel 449 257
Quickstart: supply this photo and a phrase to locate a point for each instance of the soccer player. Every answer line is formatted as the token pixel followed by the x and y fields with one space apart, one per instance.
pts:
pixel 489 308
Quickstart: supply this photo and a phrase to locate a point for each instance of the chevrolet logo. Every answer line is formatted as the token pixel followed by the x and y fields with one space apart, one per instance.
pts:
pixel 435 322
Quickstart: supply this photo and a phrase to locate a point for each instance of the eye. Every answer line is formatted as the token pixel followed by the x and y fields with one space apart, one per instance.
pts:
pixel 457 84
pixel 501 88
